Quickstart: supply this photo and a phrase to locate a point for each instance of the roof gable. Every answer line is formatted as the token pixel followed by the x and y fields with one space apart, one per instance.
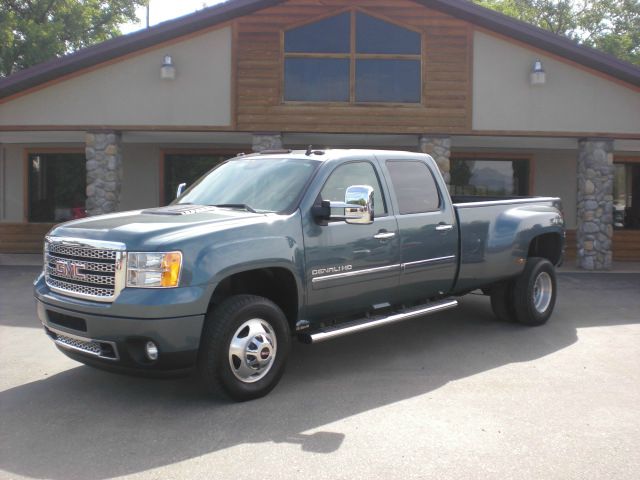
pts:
pixel 208 17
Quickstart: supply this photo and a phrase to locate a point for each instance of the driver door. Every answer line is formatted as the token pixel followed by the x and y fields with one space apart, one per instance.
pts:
pixel 351 267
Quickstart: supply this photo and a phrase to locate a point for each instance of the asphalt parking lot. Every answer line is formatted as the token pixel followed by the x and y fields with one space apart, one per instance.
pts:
pixel 457 395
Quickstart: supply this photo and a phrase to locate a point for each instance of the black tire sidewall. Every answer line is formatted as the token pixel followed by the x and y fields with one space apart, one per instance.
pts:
pixel 525 310
pixel 228 317
pixel 502 301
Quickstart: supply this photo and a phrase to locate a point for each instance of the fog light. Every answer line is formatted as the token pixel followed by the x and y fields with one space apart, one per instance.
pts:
pixel 152 351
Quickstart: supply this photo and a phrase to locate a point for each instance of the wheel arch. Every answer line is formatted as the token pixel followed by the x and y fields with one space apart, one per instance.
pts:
pixel 276 283
pixel 547 245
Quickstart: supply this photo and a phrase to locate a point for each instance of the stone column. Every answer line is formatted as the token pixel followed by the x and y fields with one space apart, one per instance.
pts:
pixel 440 149
pixel 104 171
pixel 595 203
pixel 267 141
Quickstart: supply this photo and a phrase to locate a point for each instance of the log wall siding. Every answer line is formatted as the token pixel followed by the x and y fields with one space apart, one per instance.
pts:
pixel 447 78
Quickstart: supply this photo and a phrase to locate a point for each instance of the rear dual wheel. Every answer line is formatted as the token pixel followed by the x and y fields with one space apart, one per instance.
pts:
pixel 530 298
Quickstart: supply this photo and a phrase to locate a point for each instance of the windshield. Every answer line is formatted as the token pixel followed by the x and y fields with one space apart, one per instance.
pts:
pixel 260 184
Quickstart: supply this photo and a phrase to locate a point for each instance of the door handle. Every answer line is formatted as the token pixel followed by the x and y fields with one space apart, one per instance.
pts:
pixel 384 235
pixel 443 227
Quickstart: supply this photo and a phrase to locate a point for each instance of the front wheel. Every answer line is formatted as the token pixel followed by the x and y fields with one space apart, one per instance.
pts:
pixel 244 347
pixel 534 292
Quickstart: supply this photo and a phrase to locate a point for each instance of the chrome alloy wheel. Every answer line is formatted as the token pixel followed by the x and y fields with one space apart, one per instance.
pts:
pixel 542 292
pixel 252 350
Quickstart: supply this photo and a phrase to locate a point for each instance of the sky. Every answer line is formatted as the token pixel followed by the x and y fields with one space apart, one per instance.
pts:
pixel 162 10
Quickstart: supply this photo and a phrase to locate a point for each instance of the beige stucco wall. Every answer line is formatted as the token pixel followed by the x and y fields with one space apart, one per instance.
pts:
pixel 131 92
pixel 555 176
pixel 572 100
pixel 140 176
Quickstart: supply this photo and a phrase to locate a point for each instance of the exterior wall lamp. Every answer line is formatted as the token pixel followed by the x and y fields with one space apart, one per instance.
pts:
pixel 538 75
pixel 168 70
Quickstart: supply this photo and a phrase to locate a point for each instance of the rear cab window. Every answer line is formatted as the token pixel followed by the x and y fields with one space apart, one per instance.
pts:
pixel 415 188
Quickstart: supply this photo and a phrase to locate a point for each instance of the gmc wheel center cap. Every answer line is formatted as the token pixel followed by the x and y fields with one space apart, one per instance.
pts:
pixel 265 353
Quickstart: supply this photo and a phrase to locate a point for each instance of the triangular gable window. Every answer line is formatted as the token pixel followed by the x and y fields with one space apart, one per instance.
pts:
pixel 352 57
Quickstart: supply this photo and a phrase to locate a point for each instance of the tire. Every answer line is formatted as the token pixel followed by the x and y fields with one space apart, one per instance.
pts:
pixel 534 292
pixel 240 325
pixel 502 301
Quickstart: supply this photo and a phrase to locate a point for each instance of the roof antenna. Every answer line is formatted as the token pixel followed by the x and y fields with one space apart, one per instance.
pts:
pixel 309 150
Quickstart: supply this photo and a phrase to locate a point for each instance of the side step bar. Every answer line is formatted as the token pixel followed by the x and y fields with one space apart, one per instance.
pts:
pixel 375 322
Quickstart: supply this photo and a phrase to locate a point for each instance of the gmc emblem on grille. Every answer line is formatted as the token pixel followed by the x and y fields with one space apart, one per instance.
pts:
pixel 71 270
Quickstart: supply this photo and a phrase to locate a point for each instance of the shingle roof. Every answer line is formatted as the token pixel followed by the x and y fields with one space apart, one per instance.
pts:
pixel 489 19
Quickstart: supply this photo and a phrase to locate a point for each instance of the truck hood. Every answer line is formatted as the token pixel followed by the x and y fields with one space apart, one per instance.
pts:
pixel 155 227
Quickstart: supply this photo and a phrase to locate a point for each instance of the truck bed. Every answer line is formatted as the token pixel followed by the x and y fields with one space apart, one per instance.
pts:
pixel 495 235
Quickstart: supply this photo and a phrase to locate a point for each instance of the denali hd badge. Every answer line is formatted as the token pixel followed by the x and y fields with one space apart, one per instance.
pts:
pixel 336 269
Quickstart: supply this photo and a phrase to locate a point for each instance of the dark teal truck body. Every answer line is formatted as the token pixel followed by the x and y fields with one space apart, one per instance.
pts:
pixel 320 272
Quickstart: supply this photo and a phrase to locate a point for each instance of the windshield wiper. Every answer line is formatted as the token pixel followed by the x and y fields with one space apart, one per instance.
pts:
pixel 241 206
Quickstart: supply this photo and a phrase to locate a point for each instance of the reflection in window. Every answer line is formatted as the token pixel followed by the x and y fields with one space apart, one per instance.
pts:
pixel 314 38
pixel 317 79
pixel 187 168
pixel 356 173
pixel 57 187
pixel 489 177
pixel 377 36
pixel 415 187
pixel 388 81
pixel 626 192
pixel 320 56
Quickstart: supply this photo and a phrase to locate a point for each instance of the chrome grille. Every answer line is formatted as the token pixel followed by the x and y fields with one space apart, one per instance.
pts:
pixel 105 279
pixel 84 268
pixel 81 252
pixel 84 290
pixel 89 347
pixel 97 348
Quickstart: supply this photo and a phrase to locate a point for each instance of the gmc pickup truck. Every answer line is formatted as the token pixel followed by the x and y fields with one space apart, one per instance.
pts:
pixel 268 247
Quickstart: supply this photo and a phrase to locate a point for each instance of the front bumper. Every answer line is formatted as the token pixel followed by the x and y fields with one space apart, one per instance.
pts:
pixel 97 337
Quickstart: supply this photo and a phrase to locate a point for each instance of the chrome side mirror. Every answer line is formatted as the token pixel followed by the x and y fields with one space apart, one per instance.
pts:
pixel 181 188
pixel 359 199
pixel 357 208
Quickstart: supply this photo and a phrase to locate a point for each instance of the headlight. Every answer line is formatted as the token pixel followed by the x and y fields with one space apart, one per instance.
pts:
pixel 153 270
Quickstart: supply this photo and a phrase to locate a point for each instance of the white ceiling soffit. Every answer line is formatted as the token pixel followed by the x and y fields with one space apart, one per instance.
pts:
pixel 203 138
pixel 630 146
pixel 515 143
pixel 327 140
pixel 42 137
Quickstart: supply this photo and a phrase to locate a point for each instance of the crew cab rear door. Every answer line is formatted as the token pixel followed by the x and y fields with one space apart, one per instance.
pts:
pixel 427 227
pixel 350 268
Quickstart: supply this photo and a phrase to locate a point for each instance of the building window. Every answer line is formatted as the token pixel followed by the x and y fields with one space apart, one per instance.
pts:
pixel 187 168
pixel 352 57
pixel 57 186
pixel 626 196
pixel 489 177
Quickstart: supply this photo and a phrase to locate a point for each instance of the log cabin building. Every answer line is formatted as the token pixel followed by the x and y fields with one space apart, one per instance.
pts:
pixel 505 108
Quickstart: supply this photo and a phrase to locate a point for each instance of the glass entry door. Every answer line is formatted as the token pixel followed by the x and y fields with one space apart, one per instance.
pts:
pixel 626 196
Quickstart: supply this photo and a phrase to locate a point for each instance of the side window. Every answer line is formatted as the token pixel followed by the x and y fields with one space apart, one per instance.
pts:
pixel 357 173
pixel 414 185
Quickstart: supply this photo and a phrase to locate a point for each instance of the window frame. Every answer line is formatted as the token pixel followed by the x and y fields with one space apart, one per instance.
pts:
pixel 352 56
pixel 441 203
pixel 501 157
pixel 27 152
pixel 376 172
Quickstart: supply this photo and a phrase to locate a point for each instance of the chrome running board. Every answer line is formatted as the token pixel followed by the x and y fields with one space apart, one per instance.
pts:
pixel 375 322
